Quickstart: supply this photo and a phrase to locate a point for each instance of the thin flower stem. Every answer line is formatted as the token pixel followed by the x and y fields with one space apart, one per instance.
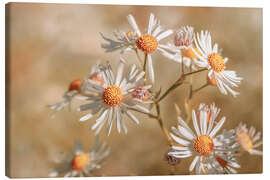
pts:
pixel 194 72
pixel 200 88
pixel 187 101
pixel 148 114
pixel 164 129
pixel 174 86
pixel 145 61
pixel 179 82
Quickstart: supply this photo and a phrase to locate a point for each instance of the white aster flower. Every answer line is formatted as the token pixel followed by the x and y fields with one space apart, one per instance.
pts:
pixel 248 139
pixel 148 42
pixel 78 87
pixel 123 41
pixel 79 162
pixel 209 57
pixel 202 144
pixel 116 97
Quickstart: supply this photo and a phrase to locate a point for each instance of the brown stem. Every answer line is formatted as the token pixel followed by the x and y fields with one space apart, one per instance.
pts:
pixel 148 114
pixel 203 86
pixel 194 72
pixel 164 129
pixel 174 86
pixel 145 61
pixel 178 83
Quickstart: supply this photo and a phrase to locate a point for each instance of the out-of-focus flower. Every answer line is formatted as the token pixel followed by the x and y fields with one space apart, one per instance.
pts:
pixel 209 57
pixel 79 162
pixel 78 87
pixel 248 139
pixel 116 97
pixel 148 42
pixel 123 41
pixel 202 145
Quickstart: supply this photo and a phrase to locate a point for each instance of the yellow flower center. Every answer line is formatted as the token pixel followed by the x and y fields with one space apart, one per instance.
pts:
pixel 203 145
pixel 75 85
pixel 112 95
pixel 80 161
pixel 221 162
pixel 190 54
pixel 216 62
pixel 245 141
pixel 147 43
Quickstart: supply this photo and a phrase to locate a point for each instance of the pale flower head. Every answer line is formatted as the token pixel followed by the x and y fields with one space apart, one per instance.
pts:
pixel 248 140
pixel 80 162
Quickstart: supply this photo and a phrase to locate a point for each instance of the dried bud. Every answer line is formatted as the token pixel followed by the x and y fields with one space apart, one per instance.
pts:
pixel 141 94
pixel 75 85
pixel 184 36
pixel 173 161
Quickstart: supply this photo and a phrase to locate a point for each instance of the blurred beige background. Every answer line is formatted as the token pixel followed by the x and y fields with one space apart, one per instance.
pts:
pixel 52 44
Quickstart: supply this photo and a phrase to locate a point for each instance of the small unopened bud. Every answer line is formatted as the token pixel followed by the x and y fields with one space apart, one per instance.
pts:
pixel 141 93
pixel 75 85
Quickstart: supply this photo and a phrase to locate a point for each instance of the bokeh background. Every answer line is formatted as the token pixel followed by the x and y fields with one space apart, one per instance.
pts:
pixel 52 44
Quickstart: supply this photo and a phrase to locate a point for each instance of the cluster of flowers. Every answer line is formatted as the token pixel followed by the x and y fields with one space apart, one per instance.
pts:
pixel 113 95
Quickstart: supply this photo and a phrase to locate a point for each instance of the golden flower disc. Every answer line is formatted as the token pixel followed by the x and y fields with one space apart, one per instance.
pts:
pixel 147 43
pixel 112 95
pixel 203 145
pixel 216 62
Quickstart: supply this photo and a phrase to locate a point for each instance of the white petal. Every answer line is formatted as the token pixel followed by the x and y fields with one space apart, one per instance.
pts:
pixel 132 117
pixel 194 162
pixel 179 140
pixel 182 122
pixel 195 123
pixel 110 121
pixel 217 127
pixel 151 23
pixel 150 69
pixel 118 120
pixel 180 148
pixel 119 73
pixel 100 119
pixel 86 117
pixel 133 24
pixel 164 34
pixel 185 133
